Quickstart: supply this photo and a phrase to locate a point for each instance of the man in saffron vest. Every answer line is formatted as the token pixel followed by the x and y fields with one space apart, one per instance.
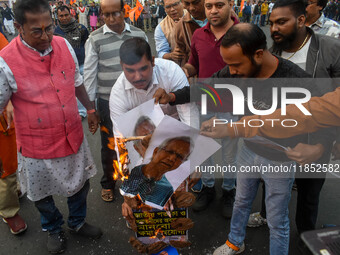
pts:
pixel 40 75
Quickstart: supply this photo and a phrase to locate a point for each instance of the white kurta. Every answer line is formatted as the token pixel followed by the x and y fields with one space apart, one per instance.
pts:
pixel 82 14
pixel 59 176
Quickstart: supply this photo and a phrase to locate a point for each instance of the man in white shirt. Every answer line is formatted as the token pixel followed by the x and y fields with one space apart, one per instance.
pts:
pixel 101 70
pixel 142 76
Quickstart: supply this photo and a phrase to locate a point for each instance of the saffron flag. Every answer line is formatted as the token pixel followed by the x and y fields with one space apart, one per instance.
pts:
pixel 139 8
pixel 132 14
pixel 241 7
pixel 72 1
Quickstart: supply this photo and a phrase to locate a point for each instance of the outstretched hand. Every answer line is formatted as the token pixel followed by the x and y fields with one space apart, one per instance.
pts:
pixel 162 97
pixel 211 129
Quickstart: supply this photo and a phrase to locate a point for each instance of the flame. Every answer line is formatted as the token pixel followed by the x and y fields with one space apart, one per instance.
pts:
pixel 158 234
pixel 104 129
pixel 120 166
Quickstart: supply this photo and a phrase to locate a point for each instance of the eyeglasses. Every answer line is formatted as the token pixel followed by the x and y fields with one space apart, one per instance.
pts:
pixel 172 5
pixel 37 33
pixel 114 14
pixel 178 156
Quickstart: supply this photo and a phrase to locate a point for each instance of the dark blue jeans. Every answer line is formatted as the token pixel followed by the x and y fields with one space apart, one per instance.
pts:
pixel 107 154
pixel 52 220
pixel 263 20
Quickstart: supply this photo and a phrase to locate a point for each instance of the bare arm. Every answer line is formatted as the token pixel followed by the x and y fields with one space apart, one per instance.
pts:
pixel 92 117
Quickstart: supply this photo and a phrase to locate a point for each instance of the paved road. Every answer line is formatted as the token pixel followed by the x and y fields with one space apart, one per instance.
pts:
pixel 210 229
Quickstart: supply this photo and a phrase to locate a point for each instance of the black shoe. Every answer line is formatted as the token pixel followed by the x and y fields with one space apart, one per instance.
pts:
pixel 204 198
pixel 88 230
pixel 228 200
pixel 56 243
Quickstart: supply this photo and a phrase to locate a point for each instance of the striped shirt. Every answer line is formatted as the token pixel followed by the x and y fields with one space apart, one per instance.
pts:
pixel 102 62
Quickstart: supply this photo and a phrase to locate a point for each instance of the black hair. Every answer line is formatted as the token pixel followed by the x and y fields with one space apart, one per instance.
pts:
pixel 32 6
pixel 298 7
pixel 249 36
pixel 322 3
pixel 132 50
pixel 62 8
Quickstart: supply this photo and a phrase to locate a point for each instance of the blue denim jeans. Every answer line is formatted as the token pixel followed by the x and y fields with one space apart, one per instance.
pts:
pixel 278 192
pixel 229 150
pixel 52 220
pixel 256 19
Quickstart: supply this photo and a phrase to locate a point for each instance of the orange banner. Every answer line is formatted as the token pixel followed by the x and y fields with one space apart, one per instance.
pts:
pixel 132 14
pixel 139 8
pixel 241 7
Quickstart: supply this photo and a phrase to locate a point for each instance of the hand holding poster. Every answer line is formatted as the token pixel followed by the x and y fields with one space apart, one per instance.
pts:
pixel 152 182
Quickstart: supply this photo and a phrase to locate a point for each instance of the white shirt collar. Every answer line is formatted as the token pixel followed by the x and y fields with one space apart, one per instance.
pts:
pixel 107 30
pixel 42 54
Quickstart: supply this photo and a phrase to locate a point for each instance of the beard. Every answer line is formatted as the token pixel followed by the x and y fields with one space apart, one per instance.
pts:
pixel 286 42
pixel 253 72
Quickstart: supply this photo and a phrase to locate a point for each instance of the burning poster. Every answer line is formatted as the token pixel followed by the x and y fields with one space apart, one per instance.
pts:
pixel 150 182
pixel 136 123
pixel 156 225
pixel 166 162
pixel 158 181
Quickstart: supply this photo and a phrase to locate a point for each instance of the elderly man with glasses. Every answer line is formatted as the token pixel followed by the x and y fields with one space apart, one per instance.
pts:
pixel 149 181
pixel 165 31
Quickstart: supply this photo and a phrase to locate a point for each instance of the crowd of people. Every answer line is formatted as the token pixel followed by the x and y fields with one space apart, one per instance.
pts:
pixel 73 61
pixel 87 14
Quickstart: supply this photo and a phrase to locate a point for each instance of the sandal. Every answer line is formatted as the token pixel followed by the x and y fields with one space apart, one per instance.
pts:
pixel 107 195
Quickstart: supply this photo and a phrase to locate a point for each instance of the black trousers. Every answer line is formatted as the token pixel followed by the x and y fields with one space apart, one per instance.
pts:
pixel 107 155
pixel 307 205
